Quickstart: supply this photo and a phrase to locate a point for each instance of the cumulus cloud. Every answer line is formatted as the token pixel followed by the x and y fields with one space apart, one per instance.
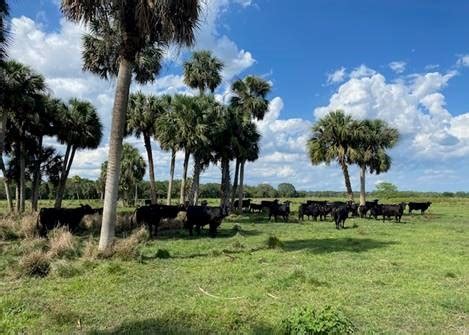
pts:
pixel 463 60
pixel 337 76
pixel 398 66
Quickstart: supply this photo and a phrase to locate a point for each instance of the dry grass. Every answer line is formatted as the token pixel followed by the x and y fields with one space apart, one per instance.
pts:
pixel 18 226
pixel 62 243
pixel 34 264
pixel 127 248
pixel 92 223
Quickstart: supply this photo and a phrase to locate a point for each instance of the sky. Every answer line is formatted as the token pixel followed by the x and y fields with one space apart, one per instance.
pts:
pixel 406 62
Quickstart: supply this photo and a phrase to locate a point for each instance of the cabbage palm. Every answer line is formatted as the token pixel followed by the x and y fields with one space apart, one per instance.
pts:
pixel 374 139
pixel 125 34
pixel 203 71
pixel 133 169
pixel 141 116
pixel 81 129
pixel 335 138
pixel 3 28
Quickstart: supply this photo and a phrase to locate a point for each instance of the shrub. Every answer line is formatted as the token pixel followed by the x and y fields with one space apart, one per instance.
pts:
pixel 273 242
pixel 34 264
pixel 322 322
pixel 162 254
pixel 62 243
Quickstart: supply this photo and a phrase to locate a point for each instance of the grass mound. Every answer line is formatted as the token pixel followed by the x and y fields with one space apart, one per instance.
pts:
pixel 62 244
pixel 126 249
pixel 34 264
pixel 273 242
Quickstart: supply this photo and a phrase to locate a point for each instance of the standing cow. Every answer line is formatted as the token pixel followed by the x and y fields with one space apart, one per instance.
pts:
pixel 50 218
pixel 199 216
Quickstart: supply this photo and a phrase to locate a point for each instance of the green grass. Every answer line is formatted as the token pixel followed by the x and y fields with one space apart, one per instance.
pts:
pixel 407 278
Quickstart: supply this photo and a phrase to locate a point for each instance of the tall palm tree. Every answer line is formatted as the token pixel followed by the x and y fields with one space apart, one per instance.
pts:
pixel 335 138
pixel 141 115
pixel 250 101
pixel 133 169
pixel 126 34
pixel 3 28
pixel 22 93
pixel 203 71
pixel 375 138
pixel 81 129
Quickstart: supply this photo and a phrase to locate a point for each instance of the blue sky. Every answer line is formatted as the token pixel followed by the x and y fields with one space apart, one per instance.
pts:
pixel 404 61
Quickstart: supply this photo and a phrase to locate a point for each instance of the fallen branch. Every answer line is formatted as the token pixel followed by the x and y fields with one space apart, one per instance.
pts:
pixel 216 297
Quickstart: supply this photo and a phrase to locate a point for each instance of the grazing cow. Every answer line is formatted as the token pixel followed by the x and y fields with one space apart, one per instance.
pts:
pixel 316 202
pixel 419 206
pixel 282 210
pixel 50 218
pixel 376 211
pixel 245 204
pixel 340 214
pixel 151 215
pixel 309 210
pixel 395 211
pixel 199 216
pixel 255 207
pixel 364 209
pixel 267 204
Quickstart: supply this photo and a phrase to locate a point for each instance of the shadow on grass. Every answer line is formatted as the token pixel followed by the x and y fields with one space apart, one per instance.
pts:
pixel 182 325
pixel 221 233
pixel 327 245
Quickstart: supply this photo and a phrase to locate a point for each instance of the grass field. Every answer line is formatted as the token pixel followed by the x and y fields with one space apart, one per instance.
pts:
pixel 387 278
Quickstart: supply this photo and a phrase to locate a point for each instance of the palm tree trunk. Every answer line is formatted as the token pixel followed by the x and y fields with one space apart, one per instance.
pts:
pixel 348 185
pixel 235 184
pixel 151 168
pixel 225 182
pixel 68 160
pixel 22 200
pixel 3 122
pixel 136 194
pixel 17 197
pixel 193 195
pixel 182 196
pixel 36 178
pixel 119 111
pixel 362 185
pixel 241 186
pixel 171 176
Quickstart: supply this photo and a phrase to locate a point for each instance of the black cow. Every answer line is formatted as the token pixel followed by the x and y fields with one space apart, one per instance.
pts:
pixel 352 208
pixel 316 202
pixel 282 210
pixel 395 211
pixel 245 204
pixel 266 204
pixel 151 215
pixel 309 210
pixel 340 214
pixel 419 206
pixel 50 218
pixel 364 209
pixel 255 207
pixel 199 216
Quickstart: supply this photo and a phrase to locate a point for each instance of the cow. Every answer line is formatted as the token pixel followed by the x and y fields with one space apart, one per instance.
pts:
pixel 151 215
pixel 50 218
pixel 316 202
pixel 340 214
pixel 255 207
pixel 199 216
pixel 309 210
pixel 245 204
pixel 282 210
pixel 266 204
pixel 395 211
pixel 352 208
pixel 376 211
pixel 419 206
pixel 364 209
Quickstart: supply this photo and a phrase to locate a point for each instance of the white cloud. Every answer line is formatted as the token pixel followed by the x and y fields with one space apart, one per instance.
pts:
pixel 398 66
pixel 337 76
pixel 463 60
pixel 362 71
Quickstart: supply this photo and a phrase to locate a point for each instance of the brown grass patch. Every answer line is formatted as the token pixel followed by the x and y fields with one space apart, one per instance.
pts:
pixel 127 248
pixel 62 243
pixel 34 264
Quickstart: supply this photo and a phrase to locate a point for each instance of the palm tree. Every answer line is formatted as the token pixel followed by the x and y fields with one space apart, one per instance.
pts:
pixel 374 139
pixel 141 115
pixel 203 71
pixel 22 93
pixel 250 101
pixel 125 35
pixel 335 138
pixel 81 129
pixel 3 28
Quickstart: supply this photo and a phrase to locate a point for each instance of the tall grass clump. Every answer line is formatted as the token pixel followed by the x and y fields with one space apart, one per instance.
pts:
pixel 317 322
pixel 273 242
pixel 34 264
pixel 127 248
pixel 62 243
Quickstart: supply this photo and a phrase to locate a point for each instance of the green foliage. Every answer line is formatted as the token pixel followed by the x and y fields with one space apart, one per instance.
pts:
pixel 286 190
pixel 273 242
pixel 385 190
pixel 308 321
pixel 162 254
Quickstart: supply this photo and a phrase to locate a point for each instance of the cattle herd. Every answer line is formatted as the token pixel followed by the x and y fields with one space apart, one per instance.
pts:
pixel 199 216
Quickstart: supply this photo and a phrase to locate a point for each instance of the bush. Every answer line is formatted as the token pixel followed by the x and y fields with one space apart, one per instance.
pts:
pixel 62 243
pixel 322 322
pixel 162 254
pixel 34 264
pixel 273 242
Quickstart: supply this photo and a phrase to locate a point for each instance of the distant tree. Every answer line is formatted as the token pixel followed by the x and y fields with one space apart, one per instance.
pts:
pixel 286 190
pixel 265 191
pixel 81 129
pixel 386 190
pixel 334 138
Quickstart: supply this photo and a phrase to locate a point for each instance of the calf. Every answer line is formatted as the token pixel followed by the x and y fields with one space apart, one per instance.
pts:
pixel 282 210
pixel 308 210
pixel 393 210
pixel 340 214
pixel 50 218
pixel 419 206
pixel 199 216
pixel 151 215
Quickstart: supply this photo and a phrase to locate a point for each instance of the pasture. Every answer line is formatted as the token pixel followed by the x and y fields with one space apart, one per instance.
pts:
pixel 393 278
